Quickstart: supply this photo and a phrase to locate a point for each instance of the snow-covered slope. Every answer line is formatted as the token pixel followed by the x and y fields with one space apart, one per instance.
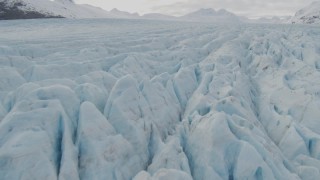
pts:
pixel 210 15
pixel 309 14
pixel 16 9
pixel 29 9
pixel 141 99
pixel 122 14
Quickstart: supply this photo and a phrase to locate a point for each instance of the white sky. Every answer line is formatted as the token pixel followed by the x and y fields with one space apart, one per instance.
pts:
pixel 250 8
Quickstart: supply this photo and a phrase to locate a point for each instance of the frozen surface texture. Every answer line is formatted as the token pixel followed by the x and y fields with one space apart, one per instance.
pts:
pixel 155 100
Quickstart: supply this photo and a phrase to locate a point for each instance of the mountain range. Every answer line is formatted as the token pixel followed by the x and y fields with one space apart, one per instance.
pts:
pixel 30 9
pixel 211 15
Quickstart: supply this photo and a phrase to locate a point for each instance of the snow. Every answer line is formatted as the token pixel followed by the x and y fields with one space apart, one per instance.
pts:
pixel 309 14
pixel 151 100
pixel 211 15
pixel 163 174
pixel 123 14
pixel 271 20
pixel 158 16
pixel 21 9
pixel 62 8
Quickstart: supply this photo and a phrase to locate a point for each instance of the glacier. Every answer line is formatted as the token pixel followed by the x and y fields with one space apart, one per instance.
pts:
pixel 157 100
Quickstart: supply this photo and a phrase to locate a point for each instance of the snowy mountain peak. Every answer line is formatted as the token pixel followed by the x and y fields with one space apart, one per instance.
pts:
pixel 26 9
pixel 123 14
pixel 209 14
pixel 115 10
pixel 309 14
pixel 223 11
pixel 205 11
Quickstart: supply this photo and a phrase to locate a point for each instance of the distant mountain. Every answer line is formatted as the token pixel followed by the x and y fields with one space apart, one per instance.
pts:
pixel 29 9
pixel 26 9
pixel 309 14
pixel 211 15
pixel 158 16
pixel 122 14
pixel 271 20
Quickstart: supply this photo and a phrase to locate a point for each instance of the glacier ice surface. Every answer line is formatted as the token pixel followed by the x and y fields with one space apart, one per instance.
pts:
pixel 151 100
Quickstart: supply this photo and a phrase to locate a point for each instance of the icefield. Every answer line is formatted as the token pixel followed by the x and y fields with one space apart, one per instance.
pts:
pixel 156 100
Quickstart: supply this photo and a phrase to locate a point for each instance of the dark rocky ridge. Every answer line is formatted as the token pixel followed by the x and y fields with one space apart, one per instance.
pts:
pixel 14 12
pixel 309 20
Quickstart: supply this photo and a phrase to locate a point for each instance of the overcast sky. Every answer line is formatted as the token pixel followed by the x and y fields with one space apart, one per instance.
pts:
pixel 250 8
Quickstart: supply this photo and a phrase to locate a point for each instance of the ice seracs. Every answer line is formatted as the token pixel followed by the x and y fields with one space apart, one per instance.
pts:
pixel 143 99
